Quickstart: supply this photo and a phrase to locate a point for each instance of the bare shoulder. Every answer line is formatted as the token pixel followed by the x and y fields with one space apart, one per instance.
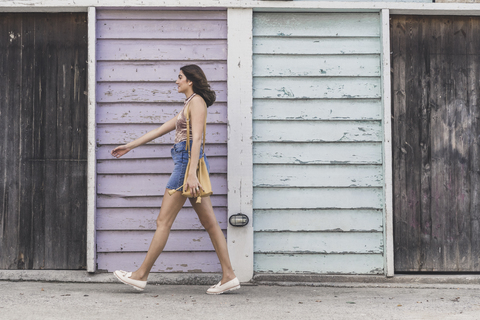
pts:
pixel 197 100
pixel 197 104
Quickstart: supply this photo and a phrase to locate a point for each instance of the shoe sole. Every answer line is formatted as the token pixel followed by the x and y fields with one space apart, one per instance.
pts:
pixel 123 281
pixel 230 289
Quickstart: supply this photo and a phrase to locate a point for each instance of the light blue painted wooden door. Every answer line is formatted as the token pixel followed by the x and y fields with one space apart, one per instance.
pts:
pixel 139 54
pixel 317 143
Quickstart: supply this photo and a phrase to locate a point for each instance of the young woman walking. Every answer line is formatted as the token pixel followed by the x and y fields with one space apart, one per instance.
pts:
pixel 193 83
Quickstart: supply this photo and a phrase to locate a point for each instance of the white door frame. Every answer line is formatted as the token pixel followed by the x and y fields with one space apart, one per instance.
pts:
pixel 240 159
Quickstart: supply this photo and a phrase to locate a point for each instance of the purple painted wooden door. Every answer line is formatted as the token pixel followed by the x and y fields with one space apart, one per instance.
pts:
pixel 139 54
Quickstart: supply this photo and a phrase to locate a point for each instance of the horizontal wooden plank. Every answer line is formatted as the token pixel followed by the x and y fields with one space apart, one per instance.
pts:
pixel 316 87
pixel 316 65
pixel 165 13
pixel 161 49
pixel 145 219
pixel 317 45
pixel 319 263
pixel 161 29
pixel 167 262
pixel 281 175
pixel 156 70
pixel 318 220
pixel 147 184
pixel 154 166
pixel 318 153
pixel 317 109
pixel 156 151
pixel 149 92
pixel 152 112
pixel 119 201
pixel 288 24
pixel 318 242
pixel 316 131
pixel 314 198
pixel 134 241
pixel 124 133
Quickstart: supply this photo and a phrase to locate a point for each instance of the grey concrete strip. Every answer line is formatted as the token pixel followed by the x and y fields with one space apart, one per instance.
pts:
pixel 405 281
pixel 27 300
pixel 360 285
pixel 397 279
pixel 83 276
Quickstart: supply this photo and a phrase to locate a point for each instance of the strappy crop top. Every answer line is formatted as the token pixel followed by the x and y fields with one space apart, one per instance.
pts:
pixel 181 124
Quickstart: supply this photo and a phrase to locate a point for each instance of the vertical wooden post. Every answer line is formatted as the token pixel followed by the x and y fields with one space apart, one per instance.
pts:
pixel 240 162
pixel 91 170
pixel 387 145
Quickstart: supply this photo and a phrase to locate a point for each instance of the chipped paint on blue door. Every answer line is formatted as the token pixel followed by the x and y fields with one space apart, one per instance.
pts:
pixel 317 151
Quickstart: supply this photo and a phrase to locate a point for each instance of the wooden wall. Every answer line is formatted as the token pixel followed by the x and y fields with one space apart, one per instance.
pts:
pixel 139 54
pixel 436 137
pixel 43 140
pixel 317 143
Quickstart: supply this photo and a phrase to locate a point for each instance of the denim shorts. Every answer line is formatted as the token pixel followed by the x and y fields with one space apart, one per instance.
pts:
pixel 180 161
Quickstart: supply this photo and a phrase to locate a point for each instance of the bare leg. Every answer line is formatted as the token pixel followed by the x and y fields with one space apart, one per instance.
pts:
pixel 207 217
pixel 171 205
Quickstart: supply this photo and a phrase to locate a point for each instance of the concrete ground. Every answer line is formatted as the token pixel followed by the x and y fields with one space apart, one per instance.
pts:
pixel 56 300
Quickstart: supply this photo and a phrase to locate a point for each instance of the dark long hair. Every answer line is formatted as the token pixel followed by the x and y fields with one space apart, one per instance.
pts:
pixel 200 84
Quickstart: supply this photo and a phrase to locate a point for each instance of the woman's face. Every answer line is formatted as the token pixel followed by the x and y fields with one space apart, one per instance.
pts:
pixel 182 83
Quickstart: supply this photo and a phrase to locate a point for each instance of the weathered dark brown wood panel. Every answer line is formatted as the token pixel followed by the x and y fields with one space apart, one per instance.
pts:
pixel 436 136
pixel 43 140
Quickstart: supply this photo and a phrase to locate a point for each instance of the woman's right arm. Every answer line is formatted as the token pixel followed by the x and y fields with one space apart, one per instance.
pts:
pixel 149 136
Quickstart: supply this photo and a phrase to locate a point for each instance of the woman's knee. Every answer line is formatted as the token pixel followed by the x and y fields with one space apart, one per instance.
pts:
pixel 164 223
pixel 209 223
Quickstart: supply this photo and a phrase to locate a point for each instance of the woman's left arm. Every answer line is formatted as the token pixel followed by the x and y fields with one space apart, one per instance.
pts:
pixel 198 113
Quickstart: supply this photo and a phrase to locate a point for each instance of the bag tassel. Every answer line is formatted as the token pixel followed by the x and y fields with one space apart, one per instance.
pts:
pixel 170 192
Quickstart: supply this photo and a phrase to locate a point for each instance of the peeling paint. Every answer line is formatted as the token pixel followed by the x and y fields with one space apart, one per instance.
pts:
pixel 377 271
pixel 284 92
pixel 339 162
pixel 301 162
pixel 13 36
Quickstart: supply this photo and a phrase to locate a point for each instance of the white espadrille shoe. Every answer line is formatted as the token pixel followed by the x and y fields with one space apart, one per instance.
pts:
pixel 124 277
pixel 220 288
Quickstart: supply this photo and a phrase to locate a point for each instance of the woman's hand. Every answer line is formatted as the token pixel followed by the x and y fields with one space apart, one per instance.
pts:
pixel 120 151
pixel 193 185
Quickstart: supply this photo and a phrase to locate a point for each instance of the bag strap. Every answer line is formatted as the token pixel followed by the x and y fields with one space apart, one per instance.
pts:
pixel 187 147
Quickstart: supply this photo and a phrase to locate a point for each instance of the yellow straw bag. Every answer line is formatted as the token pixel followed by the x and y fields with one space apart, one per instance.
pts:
pixel 202 172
